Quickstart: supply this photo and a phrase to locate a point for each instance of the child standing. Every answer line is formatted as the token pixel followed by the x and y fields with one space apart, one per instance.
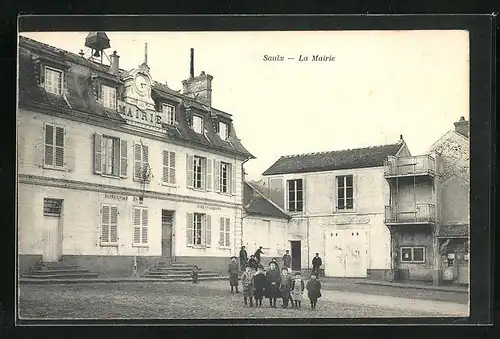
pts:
pixel 194 274
pixel 259 282
pixel 273 280
pixel 285 287
pixel 233 274
pixel 297 289
pixel 313 290
pixel 247 282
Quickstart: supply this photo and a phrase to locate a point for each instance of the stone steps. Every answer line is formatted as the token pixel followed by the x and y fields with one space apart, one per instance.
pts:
pixel 66 275
pixel 57 270
pixel 178 271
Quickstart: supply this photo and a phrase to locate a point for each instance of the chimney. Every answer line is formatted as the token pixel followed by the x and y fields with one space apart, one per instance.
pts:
pixel 462 127
pixel 199 87
pixel 114 67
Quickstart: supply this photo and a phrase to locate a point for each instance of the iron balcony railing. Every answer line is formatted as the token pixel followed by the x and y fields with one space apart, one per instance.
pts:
pixel 414 165
pixel 420 213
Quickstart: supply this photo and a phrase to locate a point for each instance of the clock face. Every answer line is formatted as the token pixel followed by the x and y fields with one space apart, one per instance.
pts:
pixel 141 84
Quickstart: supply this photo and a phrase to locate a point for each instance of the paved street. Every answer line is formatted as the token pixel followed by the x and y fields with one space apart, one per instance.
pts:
pixel 212 300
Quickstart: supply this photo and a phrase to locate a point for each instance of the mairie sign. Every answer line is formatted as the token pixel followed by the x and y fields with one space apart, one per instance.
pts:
pixel 132 112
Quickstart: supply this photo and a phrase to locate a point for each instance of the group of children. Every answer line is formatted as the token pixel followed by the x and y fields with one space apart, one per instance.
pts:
pixel 273 284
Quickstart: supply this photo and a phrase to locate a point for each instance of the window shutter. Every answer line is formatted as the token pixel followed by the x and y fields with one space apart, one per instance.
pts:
pixel 233 179
pixel 97 153
pixel 189 229
pixel 189 170
pixel 105 224
pixel 304 194
pixel 137 226
pixel 208 230
pixel 137 161
pixel 59 143
pixel 172 168
pixel 166 167
pixel 217 176
pixel 209 175
pixel 145 161
pixel 123 158
pixel 144 226
pixel 221 232
pixel 49 145
pixel 114 224
pixel 228 232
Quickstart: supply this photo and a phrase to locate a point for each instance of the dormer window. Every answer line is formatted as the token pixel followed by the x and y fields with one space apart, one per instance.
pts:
pixel 168 113
pixel 108 96
pixel 53 80
pixel 223 130
pixel 198 124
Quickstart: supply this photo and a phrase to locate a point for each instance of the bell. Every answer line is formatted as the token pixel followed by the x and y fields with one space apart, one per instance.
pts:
pixel 97 54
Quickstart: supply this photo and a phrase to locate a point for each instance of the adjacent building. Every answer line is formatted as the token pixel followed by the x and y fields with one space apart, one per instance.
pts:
pixel 118 171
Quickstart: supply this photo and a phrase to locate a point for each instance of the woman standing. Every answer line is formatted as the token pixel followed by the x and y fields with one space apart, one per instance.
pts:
pixel 273 278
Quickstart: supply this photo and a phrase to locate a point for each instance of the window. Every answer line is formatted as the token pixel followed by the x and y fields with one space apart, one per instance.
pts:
pixel 109 226
pixel 223 130
pixel 197 124
pixel 295 195
pixel 169 114
pixel 141 162
pixel 54 146
pixel 225 232
pixel 345 192
pixel 53 80
pixel 225 172
pixel 110 156
pixel 52 207
pixel 168 167
pixel 198 230
pixel 108 96
pixel 140 225
pixel 198 172
pixel 413 254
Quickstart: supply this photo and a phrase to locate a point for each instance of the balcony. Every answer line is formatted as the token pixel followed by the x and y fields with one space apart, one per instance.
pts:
pixel 409 166
pixel 420 214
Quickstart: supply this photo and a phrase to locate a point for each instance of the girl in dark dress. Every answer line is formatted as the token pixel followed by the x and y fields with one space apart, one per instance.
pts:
pixel 285 287
pixel 260 281
pixel 273 278
pixel 313 290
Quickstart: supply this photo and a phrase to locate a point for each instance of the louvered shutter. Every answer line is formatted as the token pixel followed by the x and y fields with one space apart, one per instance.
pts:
pixel 233 179
pixel 208 230
pixel 166 167
pixel 137 161
pixel 228 232
pixel 222 230
pixel 217 176
pixel 209 175
pixel 172 168
pixel 145 162
pixel 137 225
pixel 97 153
pixel 49 145
pixel 113 225
pixel 59 143
pixel 189 170
pixel 105 224
pixel 144 234
pixel 189 228
pixel 123 158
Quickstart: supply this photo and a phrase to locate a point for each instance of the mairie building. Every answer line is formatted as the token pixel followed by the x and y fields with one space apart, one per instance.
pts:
pixel 117 171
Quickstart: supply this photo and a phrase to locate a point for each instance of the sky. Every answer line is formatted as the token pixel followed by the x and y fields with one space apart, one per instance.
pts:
pixel 382 84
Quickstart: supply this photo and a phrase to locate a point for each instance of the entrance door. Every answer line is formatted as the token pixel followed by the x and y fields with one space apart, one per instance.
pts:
pixel 51 239
pixel 346 253
pixel 167 223
pixel 296 255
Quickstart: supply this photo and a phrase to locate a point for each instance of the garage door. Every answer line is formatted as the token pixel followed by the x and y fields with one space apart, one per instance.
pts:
pixel 346 253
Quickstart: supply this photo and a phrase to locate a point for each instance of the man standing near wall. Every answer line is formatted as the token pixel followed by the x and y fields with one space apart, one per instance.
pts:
pixel 243 258
pixel 287 259
pixel 316 263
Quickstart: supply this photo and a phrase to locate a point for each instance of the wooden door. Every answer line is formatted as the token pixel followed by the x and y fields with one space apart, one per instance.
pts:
pixel 335 265
pixel 296 255
pixel 51 239
pixel 167 223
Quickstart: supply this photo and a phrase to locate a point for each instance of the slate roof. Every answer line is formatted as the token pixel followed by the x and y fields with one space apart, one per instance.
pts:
pixel 80 100
pixel 254 203
pixel 454 231
pixel 333 160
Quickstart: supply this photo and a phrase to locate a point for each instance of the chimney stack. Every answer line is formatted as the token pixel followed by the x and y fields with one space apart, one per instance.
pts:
pixel 191 68
pixel 198 87
pixel 114 67
pixel 462 127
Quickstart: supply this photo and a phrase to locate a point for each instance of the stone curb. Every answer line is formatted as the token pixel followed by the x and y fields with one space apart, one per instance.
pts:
pixel 110 280
pixel 421 287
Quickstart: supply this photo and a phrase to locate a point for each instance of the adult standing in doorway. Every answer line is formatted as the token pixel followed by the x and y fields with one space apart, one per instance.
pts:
pixel 243 258
pixel 287 259
pixel 257 254
pixel 316 263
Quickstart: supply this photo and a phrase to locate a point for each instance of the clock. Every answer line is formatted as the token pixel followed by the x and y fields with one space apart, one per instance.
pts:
pixel 142 84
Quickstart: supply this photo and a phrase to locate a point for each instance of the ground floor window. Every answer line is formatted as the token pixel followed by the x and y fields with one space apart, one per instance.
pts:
pixel 198 229
pixel 414 254
pixel 140 225
pixel 109 225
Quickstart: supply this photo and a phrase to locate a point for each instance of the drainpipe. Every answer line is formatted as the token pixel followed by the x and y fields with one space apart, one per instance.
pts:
pixel 308 245
pixel 242 204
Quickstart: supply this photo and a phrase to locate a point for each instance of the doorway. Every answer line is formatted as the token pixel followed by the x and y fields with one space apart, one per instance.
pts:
pixel 296 255
pixel 346 253
pixel 51 222
pixel 167 224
